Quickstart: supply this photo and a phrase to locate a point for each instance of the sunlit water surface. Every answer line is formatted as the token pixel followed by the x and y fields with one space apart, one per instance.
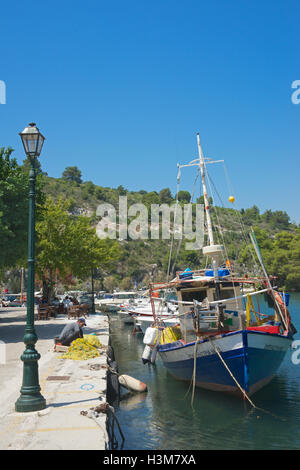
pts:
pixel 164 418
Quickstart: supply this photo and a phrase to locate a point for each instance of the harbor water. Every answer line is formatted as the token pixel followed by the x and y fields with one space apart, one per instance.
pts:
pixel 164 418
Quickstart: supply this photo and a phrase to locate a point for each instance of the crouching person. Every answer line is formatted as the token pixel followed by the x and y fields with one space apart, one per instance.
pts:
pixel 71 332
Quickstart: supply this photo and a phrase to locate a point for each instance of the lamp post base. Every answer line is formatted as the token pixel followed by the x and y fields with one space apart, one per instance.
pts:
pixel 28 403
pixel 30 399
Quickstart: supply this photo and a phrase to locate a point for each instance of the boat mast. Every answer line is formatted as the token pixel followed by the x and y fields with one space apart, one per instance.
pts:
pixel 206 203
pixel 215 252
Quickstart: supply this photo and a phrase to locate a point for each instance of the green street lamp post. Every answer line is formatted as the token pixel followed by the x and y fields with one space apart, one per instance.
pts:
pixel 93 295
pixel 31 398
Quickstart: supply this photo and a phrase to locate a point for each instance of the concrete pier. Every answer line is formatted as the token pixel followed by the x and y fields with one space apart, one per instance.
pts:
pixel 71 388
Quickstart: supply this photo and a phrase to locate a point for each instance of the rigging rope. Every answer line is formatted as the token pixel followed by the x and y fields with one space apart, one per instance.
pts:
pixel 223 240
pixel 243 230
pixel 173 233
pixel 180 240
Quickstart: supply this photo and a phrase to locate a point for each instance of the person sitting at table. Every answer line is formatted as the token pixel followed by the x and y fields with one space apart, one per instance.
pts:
pixel 67 303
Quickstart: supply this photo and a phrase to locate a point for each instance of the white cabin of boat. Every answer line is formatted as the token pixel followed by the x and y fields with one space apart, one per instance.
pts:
pixel 211 297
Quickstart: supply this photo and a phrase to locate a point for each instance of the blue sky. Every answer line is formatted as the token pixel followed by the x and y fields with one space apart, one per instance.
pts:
pixel 120 90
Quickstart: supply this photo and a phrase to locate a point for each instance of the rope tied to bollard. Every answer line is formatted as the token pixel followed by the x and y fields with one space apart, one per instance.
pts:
pixel 105 408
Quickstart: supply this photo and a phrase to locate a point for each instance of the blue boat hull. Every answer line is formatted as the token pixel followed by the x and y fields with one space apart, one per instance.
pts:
pixel 253 358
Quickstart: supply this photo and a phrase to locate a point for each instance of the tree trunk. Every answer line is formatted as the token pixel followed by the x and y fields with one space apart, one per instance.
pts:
pixel 47 287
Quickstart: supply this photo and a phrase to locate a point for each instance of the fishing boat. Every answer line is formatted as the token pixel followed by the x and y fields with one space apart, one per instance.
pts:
pixel 157 310
pixel 128 309
pixel 112 302
pixel 141 314
pixel 140 310
pixel 224 343
pixel 146 321
pixel 125 316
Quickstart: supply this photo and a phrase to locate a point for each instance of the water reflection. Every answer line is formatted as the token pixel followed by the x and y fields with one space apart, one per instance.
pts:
pixel 132 400
pixel 163 418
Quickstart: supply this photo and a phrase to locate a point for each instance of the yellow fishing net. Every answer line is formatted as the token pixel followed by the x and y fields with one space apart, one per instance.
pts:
pixel 84 348
pixel 170 334
pixel 93 340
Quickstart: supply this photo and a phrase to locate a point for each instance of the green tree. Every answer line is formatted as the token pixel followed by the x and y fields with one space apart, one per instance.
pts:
pixel 251 216
pixel 283 259
pixel 184 196
pixel 126 284
pixel 280 220
pixel 89 187
pixel 73 174
pixel 37 165
pixel 121 190
pixel 165 196
pixel 110 283
pixel 200 200
pixel 266 216
pixel 99 193
pixel 87 190
pixel 14 186
pixel 69 245
pixel 150 198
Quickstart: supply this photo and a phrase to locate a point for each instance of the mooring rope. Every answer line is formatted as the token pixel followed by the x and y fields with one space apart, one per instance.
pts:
pixel 231 374
pixel 194 371
pixel 239 386
pixel 193 381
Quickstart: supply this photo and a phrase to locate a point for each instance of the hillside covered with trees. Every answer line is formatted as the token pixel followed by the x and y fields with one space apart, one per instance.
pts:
pixel 127 263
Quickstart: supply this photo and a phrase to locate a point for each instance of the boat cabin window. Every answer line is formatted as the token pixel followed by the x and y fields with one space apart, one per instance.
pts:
pixel 225 294
pixel 193 295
